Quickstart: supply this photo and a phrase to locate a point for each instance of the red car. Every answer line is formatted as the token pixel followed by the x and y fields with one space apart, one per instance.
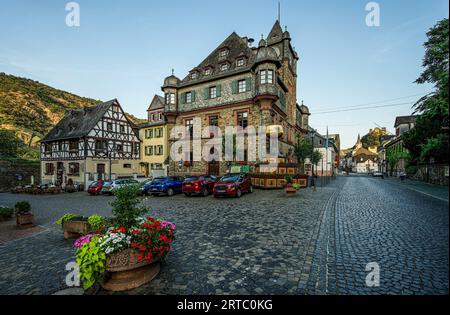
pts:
pixel 199 185
pixel 95 187
pixel 233 185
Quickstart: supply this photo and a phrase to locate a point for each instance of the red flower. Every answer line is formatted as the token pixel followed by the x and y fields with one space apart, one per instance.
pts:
pixel 142 248
pixel 140 257
pixel 122 230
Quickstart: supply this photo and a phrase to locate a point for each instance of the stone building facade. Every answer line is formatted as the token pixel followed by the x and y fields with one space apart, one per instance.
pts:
pixel 238 85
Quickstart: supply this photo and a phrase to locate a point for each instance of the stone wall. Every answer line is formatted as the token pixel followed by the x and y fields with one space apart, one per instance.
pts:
pixel 15 173
pixel 434 174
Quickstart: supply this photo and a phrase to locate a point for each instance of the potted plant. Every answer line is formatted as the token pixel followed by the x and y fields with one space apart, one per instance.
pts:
pixel 127 253
pixel 289 189
pixel 73 225
pixel 24 217
pixel 6 213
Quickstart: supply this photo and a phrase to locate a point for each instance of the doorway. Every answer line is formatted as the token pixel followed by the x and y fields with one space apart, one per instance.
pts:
pixel 214 168
pixel 100 171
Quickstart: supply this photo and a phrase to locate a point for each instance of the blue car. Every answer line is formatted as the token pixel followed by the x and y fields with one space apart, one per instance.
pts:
pixel 169 186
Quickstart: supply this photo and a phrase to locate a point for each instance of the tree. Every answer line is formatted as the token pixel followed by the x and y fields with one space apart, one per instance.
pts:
pixel 302 150
pixel 393 157
pixel 316 156
pixel 9 144
pixel 429 138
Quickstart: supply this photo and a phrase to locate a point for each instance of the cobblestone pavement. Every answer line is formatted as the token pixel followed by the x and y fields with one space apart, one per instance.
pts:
pixel 264 243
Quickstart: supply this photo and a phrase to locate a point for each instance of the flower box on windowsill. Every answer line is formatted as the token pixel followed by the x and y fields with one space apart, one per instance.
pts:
pixel 126 272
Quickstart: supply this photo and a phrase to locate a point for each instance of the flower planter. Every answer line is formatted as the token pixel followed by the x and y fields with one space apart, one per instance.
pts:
pixel 75 229
pixel 125 272
pixel 291 191
pixel 24 220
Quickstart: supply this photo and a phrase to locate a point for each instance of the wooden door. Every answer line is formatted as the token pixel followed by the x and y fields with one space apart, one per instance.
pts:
pixel 100 171
pixel 214 168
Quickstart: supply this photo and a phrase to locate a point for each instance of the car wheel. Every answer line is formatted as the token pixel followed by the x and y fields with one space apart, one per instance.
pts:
pixel 250 190
pixel 187 195
pixel 205 192
pixel 170 192
pixel 238 193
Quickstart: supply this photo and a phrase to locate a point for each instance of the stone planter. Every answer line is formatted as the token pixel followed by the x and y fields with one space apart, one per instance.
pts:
pixel 291 191
pixel 125 272
pixel 74 229
pixel 24 220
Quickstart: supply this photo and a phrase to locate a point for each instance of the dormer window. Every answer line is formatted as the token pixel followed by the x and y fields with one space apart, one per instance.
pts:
pixel 223 53
pixel 224 67
pixel 240 62
pixel 194 75
pixel 208 71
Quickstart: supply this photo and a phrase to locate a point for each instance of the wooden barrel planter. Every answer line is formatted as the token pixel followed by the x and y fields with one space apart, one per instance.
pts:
pixel 75 228
pixel 125 272
pixel 291 191
pixel 24 220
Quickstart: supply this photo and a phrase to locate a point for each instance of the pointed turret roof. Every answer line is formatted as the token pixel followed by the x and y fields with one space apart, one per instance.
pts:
pixel 276 34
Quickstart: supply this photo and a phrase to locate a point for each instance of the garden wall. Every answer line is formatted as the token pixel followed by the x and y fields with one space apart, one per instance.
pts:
pixel 435 174
pixel 18 172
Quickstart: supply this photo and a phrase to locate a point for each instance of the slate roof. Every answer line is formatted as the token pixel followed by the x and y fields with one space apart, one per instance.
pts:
pixel 276 34
pixel 79 122
pixel 405 120
pixel 364 151
pixel 237 47
pixel 157 103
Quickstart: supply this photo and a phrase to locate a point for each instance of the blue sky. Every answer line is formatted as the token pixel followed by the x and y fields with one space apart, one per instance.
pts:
pixel 124 49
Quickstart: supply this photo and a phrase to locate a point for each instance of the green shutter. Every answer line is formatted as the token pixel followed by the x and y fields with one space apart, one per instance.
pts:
pixel 182 98
pixel 193 97
pixel 234 87
pixel 219 90
pixel 206 93
pixel 248 84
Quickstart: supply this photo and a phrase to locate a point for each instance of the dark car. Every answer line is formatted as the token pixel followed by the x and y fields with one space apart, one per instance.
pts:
pixel 233 185
pixel 169 185
pixel 199 185
pixel 95 188
pixel 145 186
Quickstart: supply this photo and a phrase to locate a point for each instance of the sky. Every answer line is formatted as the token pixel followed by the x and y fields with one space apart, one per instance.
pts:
pixel 125 49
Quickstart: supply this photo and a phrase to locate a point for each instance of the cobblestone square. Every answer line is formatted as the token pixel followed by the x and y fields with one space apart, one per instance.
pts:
pixel 263 243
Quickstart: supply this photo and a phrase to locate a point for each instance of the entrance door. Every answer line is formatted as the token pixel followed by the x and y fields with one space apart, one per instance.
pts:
pixel 214 168
pixel 59 173
pixel 100 171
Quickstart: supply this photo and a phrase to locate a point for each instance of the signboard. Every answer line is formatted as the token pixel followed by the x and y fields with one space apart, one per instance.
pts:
pixel 240 169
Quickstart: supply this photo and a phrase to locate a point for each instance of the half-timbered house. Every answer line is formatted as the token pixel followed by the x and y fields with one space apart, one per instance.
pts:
pixel 88 144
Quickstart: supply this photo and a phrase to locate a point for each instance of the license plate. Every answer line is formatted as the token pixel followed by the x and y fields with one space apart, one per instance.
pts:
pixel 154 189
pixel 188 185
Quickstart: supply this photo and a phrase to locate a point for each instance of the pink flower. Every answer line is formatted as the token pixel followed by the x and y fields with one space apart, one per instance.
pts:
pixel 83 240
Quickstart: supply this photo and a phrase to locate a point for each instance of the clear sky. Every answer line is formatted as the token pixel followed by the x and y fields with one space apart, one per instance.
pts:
pixel 125 49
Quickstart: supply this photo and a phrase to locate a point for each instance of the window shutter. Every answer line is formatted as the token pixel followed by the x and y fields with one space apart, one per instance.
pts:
pixel 206 93
pixel 234 87
pixel 182 98
pixel 193 96
pixel 248 84
pixel 219 90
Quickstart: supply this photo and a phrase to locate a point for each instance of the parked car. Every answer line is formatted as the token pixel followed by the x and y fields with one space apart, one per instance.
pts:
pixel 95 188
pixel 168 185
pixel 378 174
pixel 233 185
pixel 109 187
pixel 145 187
pixel 199 185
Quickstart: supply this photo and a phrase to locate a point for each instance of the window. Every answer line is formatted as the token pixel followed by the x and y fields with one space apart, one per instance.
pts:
pixel 242 86
pixel 149 150
pixel 74 169
pixel 194 75
pixel 100 145
pixel 170 98
pixel 208 71
pixel 109 126
pixel 224 67
pixel 188 97
pixel 190 125
pixel 159 149
pixel 48 148
pixel 122 128
pixel 135 148
pixel 214 120
pixel 223 53
pixel 159 132
pixel 160 116
pixel 240 62
pixel 73 145
pixel 242 119
pixel 116 108
pixel 119 148
pixel 213 92
pixel 153 117
pixel 150 133
pixel 266 76
pixel 49 169
pixel 60 146
pixel 127 166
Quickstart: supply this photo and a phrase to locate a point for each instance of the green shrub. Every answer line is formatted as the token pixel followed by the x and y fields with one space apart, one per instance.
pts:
pixel 296 186
pixel 96 222
pixel 91 260
pixel 6 212
pixel 22 207
pixel 66 217
pixel 125 207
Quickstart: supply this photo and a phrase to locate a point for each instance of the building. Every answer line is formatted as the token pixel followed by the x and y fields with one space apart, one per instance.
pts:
pixel 238 85
pixel 395 145
pixel 364 161
pixel 328 165
pixel 88 144
pixel 155 145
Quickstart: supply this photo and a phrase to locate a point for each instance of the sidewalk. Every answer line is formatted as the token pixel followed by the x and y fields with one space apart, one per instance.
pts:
pixel 435 191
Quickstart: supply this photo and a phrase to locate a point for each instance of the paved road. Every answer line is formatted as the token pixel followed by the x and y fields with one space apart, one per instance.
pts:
pixel 317 243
